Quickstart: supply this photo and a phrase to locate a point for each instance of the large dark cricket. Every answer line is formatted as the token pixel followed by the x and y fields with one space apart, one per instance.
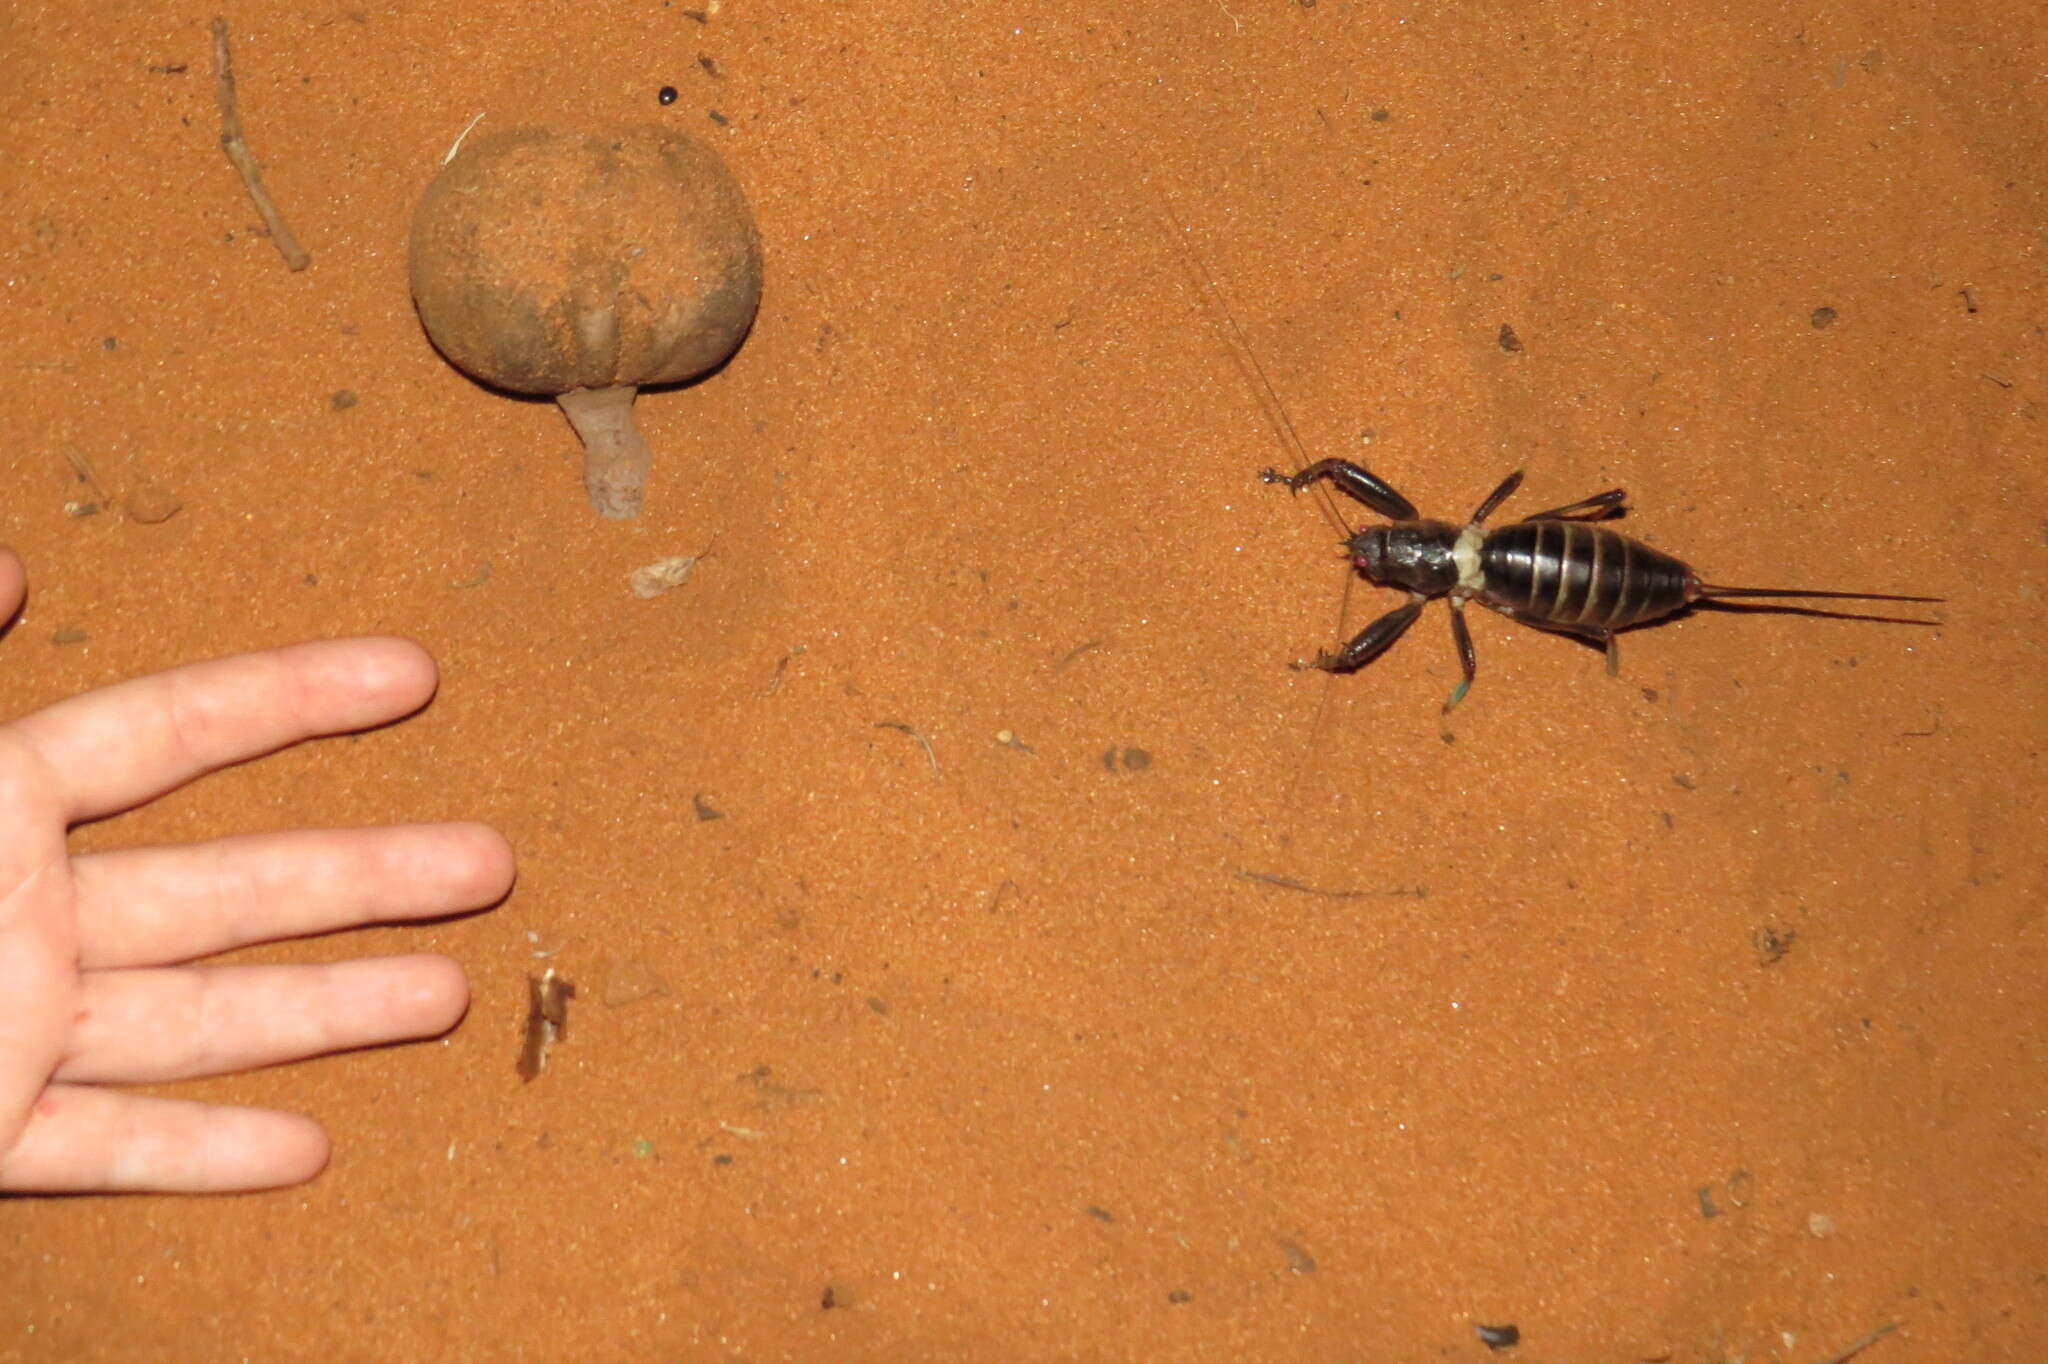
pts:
pixel 1553 570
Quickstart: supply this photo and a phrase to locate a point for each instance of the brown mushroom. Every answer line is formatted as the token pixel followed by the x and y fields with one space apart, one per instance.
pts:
pixel 587 266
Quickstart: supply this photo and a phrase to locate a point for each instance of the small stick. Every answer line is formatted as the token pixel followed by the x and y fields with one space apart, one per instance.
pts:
pixel 457 145
pixel 1860 1346
pixel 924 743
pixel 1075 653
pixel 1266 878
pixel 231 142
pixel 80 465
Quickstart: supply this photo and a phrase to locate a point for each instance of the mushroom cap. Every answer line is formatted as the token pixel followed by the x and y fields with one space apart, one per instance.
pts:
pixel 544 261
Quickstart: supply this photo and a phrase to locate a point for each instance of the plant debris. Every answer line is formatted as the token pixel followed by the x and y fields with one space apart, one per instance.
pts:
pixel 630 980
pixel 1844 1356
pixel 1266 878
pixel 662 575
pixel 1299 1261
pixel 547 1020
pixel 244 162
pixel 151 504
pixel 926 744
pixel 1498 1337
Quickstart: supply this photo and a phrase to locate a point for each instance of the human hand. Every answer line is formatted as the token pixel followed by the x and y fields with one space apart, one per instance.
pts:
pixel 91 989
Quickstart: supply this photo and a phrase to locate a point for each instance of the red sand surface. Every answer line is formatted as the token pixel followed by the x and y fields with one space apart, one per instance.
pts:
pixel 1066 977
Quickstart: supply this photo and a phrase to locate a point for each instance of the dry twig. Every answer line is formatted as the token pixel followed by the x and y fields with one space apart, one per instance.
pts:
pixel 239 156
pixel 930 754
pixel 1860 1346
pixel 1266 878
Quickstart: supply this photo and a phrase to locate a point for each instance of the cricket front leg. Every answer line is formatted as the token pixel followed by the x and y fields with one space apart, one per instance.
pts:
pixel 1355 480
pixel 1369 643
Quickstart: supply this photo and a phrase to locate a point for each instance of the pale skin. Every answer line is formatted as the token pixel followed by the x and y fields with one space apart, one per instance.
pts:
pixel 96 989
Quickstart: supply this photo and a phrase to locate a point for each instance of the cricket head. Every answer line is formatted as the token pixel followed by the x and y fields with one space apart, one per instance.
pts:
pixel 1417 555
pixel 1368 551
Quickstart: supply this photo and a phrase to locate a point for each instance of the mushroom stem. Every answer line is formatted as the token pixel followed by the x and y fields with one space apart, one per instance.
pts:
pixel 615 457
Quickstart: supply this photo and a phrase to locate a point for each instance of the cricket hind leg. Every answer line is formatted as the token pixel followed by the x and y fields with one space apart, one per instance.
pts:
pixel 1604 640
pixel 1598 636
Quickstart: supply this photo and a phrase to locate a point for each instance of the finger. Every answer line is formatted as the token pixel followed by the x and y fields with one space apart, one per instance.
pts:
pixel 13 585
pixel 175 1023
pixel 125 744
pixel 152 906
pixel 84 1140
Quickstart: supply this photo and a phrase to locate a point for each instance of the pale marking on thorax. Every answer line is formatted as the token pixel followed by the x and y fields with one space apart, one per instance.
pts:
pixel 1465 554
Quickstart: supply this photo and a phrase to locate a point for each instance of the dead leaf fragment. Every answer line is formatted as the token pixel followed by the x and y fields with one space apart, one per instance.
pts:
pixel 547 1020
pixel 150 504
pixel 662 575
pixel 628 981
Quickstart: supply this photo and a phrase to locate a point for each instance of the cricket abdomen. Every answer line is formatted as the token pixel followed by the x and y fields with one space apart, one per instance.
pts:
pixel 1580 577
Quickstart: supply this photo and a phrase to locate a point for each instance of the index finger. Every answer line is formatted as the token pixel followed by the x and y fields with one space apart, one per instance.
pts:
pixel 122 745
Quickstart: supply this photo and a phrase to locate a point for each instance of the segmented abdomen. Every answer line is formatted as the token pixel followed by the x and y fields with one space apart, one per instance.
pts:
pixel 1570 574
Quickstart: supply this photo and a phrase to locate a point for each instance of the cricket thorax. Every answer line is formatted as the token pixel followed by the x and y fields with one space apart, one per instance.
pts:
pixel 1466 554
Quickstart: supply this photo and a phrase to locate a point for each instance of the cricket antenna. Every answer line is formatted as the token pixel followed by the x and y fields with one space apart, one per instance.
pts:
pixel 1244 357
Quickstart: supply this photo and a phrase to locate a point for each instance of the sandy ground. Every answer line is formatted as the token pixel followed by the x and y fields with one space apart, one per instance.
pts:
pixel 1063 976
